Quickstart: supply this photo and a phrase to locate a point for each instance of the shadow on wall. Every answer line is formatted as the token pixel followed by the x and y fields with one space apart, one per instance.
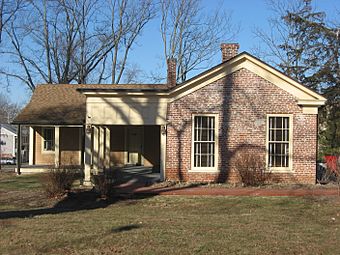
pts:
pixel 242 118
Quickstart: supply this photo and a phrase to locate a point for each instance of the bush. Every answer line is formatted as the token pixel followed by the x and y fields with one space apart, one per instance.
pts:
pixel 58 181
pixel 251 168
pixel 103 184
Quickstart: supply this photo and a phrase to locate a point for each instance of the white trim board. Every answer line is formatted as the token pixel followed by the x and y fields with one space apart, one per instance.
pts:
pixel 244 60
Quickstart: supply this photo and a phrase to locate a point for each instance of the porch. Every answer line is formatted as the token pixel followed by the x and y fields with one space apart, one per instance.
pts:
pixel 128 150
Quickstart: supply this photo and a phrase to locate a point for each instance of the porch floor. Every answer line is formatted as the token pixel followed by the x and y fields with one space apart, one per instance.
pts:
pixel 29 169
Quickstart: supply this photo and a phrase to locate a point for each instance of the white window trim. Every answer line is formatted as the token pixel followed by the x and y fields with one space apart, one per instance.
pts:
pixel 288 169
pixel 43 141
pixel 204 169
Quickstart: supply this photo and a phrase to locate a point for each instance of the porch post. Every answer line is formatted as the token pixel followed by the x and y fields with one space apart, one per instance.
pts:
pixel 107 147
pixel 95 149
pixel 31 146
pixel 101 149
pixel 87 156
pixel 19 150
pixel 162 151
pixel 56 146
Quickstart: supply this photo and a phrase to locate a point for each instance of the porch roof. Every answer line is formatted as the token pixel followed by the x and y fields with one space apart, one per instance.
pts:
pixel 63 104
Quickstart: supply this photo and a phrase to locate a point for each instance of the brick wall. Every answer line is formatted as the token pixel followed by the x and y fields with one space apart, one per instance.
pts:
pixel 242 100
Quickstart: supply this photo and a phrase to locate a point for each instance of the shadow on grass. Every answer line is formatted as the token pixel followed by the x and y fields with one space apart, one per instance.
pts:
pixel 74 201
pixel 125 228
pixel 81 200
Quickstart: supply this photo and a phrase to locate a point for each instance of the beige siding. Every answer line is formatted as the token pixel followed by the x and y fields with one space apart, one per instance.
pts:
pixel 70 146
pixel 42 157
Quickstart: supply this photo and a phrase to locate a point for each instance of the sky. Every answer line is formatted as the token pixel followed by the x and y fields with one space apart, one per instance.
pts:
pixel 248 14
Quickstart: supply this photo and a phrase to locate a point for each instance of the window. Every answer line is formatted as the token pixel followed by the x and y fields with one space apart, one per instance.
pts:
pixel 279 142
pixel 204 145
pixel 48 137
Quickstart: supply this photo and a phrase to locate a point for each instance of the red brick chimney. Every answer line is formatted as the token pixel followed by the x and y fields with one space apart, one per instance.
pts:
pixel 171 78
pixel 229 50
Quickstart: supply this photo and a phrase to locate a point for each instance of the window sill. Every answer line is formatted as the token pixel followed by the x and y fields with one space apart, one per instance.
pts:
pixel 204 170
pixel 47 152
pixel 280 170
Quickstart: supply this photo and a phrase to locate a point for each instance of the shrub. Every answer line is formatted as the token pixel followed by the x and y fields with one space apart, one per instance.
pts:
pixel 103 184
pixel 58 181
pixel 251 168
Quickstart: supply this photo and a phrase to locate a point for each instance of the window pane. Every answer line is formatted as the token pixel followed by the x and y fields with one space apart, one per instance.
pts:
pixel 204 141
pixel 48 136
pixel 204 122
pixel 212 122
pixel 286 122
pixel 204 136
pixel 278 138
pixel 278 122
pixel 204 161
pixel 278 135
pixel 205 149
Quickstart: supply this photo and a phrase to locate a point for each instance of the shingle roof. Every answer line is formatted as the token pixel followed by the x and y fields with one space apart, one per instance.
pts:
pixel 53 104
pixel 9 127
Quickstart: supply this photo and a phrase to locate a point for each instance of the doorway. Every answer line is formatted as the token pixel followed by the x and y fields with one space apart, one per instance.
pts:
pixel 134 145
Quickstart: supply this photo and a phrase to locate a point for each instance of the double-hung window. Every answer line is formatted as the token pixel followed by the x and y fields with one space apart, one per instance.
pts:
pixel 204 142
pixel 48 138
pixel 279 144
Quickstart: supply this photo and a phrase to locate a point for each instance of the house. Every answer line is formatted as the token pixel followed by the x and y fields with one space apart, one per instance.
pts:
pixel 8 141
pixel 8 136
pixel 189 131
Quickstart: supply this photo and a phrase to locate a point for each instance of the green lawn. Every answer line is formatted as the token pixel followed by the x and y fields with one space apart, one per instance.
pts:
pixel 163 224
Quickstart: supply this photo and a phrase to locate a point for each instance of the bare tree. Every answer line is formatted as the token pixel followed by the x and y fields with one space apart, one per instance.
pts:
pixel 8 110
pixel 191 36
pixel 8 9
pixel 59 41
pixel 128 19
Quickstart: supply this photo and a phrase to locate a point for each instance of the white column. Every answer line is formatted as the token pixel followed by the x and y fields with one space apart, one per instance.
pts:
pixel 18 150
pixel 31 146
pixel 162 152
pixel 56 146
pixel 107 147
pixel 101 149
pixel 87 157
pixel 95 148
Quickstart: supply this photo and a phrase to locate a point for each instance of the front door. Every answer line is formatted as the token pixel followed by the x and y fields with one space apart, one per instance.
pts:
pixel 135 145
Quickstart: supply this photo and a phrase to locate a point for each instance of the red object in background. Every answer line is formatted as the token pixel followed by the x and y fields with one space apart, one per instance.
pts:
pixel 331 162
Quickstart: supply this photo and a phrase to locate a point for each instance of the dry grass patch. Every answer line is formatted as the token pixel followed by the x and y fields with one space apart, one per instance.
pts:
pixel 176 225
